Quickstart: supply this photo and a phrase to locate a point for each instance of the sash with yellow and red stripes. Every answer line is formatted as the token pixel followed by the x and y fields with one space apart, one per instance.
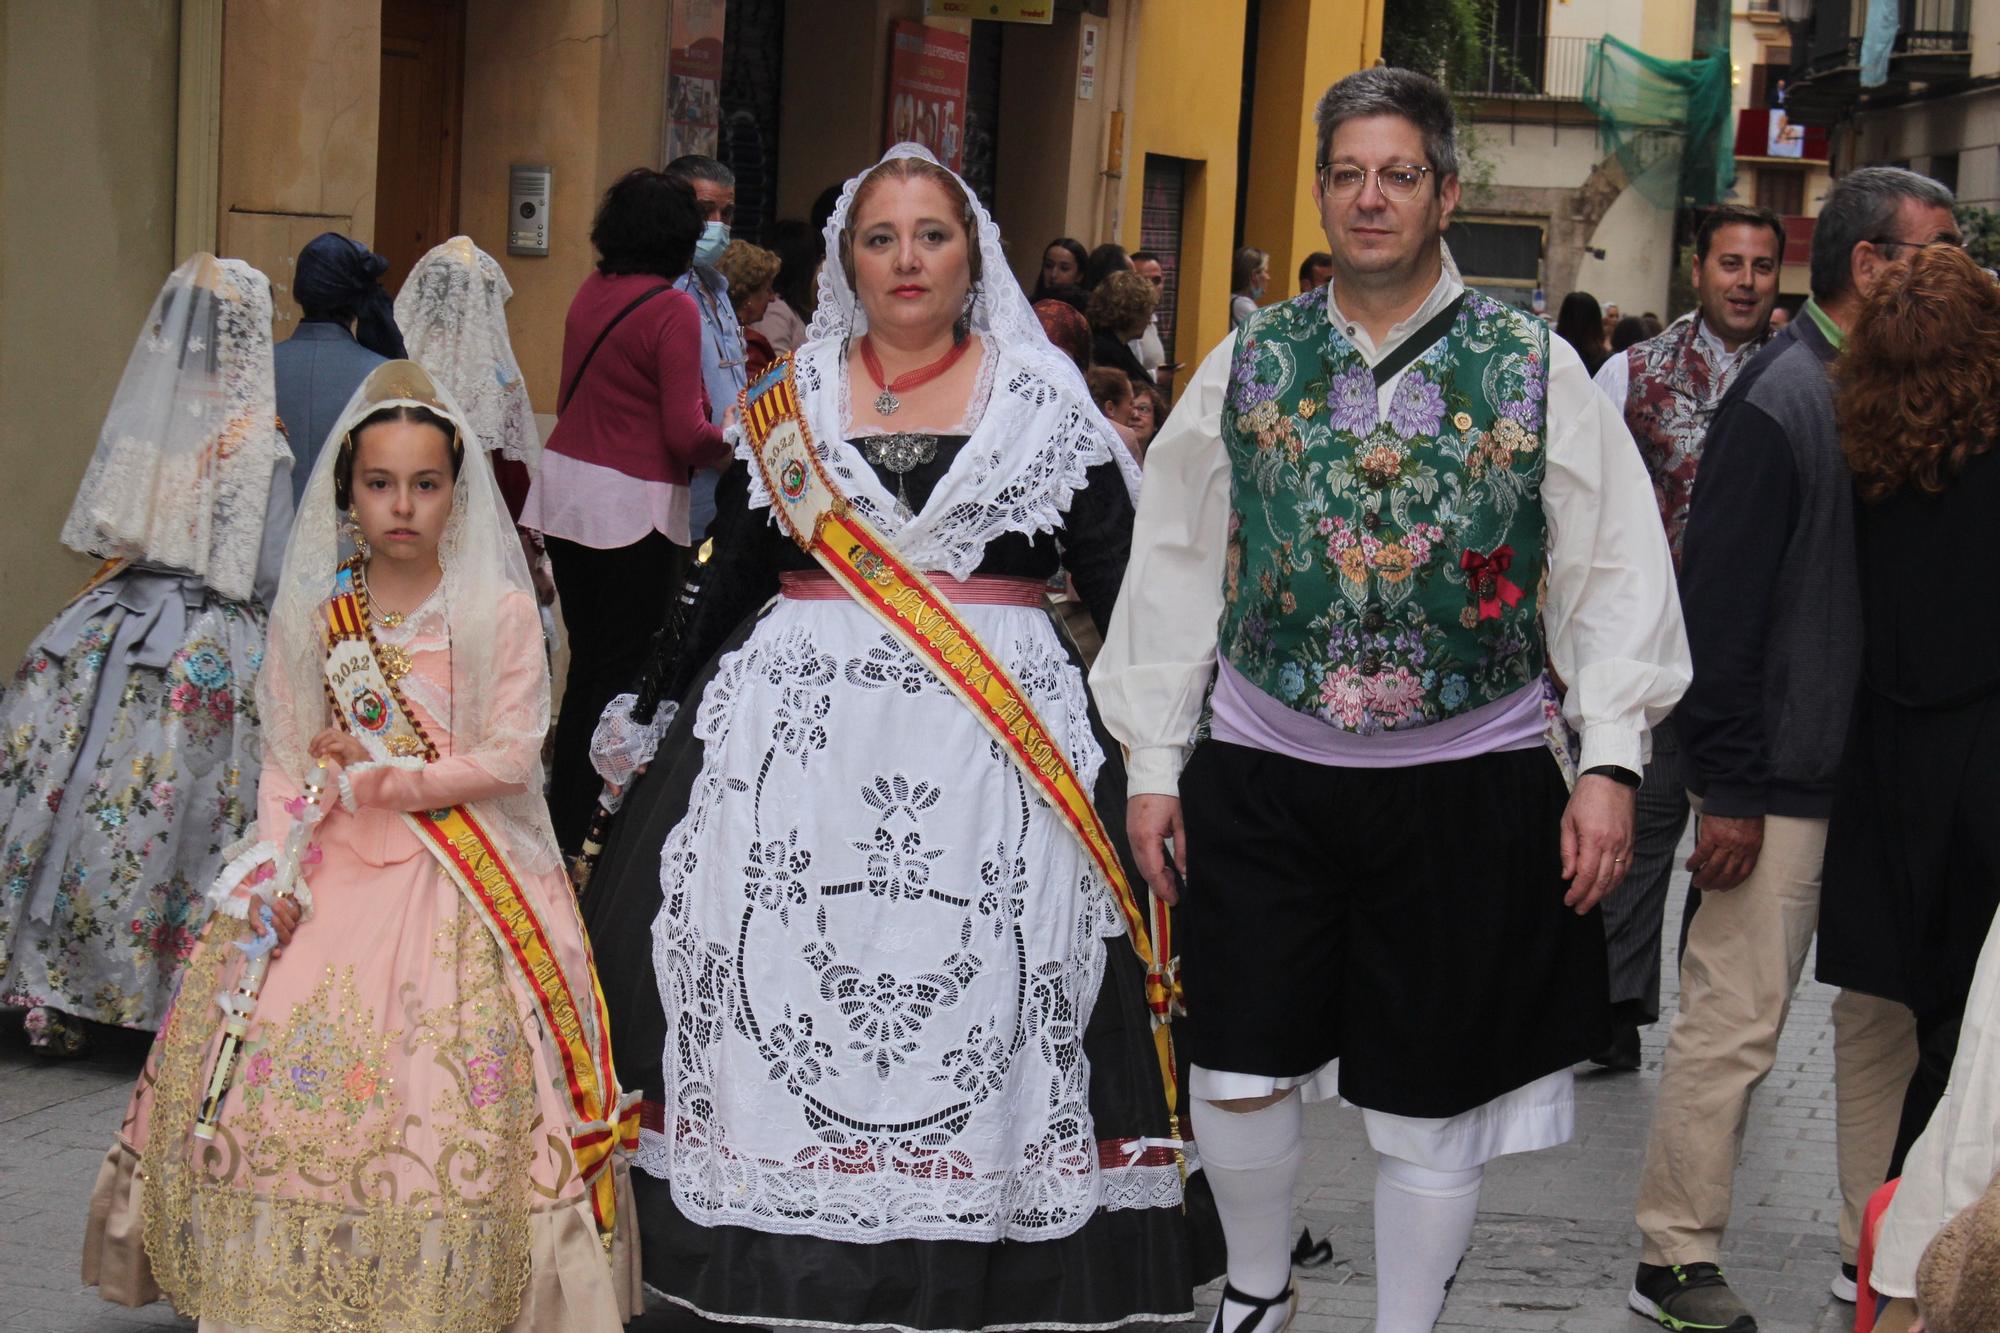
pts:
pixel 862 561
pixel 601 1121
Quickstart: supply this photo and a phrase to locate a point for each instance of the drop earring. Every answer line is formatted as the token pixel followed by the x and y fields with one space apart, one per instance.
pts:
pixel 353 525
pixel 961 327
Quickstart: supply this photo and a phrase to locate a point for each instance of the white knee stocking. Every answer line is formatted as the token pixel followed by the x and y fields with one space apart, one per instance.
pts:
pixel 1252 1160
pixel 1423 1224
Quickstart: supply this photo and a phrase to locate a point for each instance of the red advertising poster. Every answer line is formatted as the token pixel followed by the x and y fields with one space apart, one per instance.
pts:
pixel 694 77
pixel 927 73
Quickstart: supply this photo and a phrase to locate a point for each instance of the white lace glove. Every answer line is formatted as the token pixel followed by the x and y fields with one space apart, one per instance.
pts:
pixel 620 747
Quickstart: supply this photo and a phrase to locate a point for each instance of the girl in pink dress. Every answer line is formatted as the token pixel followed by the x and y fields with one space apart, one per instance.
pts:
pixel 422 1128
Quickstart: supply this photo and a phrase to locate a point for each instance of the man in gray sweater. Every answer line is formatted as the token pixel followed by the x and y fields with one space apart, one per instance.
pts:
pixel 1768 589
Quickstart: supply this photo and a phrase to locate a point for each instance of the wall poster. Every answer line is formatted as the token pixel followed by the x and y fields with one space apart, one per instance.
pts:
pixel 927 81
pixel 694 77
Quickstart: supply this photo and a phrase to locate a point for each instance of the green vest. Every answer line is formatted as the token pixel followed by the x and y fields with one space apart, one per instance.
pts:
pixel 1384 574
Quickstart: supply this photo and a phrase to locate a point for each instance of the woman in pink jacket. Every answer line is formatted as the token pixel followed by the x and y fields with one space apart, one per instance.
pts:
pixel 611 499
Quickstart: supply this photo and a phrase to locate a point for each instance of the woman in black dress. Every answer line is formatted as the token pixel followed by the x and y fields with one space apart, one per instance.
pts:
pixel 900 1068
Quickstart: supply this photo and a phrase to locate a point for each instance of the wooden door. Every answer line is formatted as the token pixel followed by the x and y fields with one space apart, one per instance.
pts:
pixel 416 159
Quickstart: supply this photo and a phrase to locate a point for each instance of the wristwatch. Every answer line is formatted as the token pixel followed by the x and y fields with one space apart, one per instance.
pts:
pixel 1615 773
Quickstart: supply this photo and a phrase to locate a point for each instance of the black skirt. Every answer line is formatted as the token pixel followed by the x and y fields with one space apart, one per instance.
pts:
pixel 1408 922
pixel 1913 852
pixel 1124 1265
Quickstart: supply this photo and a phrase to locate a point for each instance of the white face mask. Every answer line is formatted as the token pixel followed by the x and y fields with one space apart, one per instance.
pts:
pixel 714 240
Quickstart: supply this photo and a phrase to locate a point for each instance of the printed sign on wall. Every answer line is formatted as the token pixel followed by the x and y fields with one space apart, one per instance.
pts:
pixel 694 77
pixel 927 81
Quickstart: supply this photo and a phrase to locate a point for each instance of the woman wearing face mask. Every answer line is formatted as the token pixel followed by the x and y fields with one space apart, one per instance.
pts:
pixel 888 1013
pixel 1249 275
pixel 611 499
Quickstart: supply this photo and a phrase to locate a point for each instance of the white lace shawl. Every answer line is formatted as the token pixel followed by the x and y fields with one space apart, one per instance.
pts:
pixel 1031 448
pixel 1029 454
pixel 181 476
pixel 452 310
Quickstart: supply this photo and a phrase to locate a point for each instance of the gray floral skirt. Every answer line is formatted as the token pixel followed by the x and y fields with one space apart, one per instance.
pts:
pixel 128 763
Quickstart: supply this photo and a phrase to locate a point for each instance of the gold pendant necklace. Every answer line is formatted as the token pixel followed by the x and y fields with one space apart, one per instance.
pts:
pixel 386 619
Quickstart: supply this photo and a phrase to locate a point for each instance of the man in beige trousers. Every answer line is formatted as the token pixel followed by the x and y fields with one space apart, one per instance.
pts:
pixel 1773 616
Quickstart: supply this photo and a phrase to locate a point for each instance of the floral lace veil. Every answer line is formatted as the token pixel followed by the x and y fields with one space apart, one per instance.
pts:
pixel 452 310
pixel 182 474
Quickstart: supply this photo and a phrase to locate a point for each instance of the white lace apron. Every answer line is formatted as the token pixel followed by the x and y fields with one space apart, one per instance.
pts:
pixel 878 950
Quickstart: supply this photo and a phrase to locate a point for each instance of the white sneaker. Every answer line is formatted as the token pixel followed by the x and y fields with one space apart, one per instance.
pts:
pixel 1246 1314
pixel 1843 1284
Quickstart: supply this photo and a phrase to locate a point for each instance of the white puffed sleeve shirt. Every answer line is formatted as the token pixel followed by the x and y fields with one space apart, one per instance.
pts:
pixel 1611 610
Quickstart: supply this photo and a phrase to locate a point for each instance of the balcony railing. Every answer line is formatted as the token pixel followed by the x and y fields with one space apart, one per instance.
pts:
pixel 1933 43
pixel 1546 68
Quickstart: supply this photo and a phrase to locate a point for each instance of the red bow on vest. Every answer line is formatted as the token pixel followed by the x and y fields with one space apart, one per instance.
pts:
pixel 1486 579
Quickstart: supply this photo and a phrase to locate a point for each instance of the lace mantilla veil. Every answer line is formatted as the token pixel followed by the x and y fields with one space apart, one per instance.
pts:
pixel 488 600
pixel 181 476
pixel 452 310
pixel 1000 311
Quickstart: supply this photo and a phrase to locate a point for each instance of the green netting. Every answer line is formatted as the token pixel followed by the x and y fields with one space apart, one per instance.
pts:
pixel 1668 121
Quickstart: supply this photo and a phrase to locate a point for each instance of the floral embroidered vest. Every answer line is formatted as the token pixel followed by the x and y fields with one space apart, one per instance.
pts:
pixel 1673 389
pixel 1383 574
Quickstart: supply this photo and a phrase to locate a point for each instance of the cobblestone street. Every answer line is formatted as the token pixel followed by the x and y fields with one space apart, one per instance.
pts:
pixel 1554 1249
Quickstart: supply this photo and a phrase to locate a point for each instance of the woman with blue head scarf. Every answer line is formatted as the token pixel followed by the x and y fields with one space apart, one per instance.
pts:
pixel 347 327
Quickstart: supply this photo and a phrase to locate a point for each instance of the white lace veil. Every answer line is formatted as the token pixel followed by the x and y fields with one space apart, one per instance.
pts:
pixel 1000 311
pixel 453 314
pixel 182 472
pixel 489 605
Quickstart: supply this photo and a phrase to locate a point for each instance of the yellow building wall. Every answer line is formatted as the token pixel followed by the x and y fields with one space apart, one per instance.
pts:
pixel 1303 48
pixel 1668 29
pixel 578 86
pixel 1188 90
pixel 87 98
pixel 1188 104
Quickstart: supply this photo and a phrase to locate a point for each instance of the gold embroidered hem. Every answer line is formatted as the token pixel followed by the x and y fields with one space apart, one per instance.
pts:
pixel 566 1287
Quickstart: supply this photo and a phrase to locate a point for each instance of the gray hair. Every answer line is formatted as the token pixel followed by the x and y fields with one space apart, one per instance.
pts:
pixel 1862 206
pixel 692 167
pixel 1388 91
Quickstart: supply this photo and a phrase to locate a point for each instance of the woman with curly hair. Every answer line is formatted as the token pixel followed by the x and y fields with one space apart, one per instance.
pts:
pixel 752 272
pixel 1913 850
pixel 1119 308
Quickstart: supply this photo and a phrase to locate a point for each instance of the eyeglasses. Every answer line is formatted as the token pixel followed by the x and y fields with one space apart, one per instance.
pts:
pixel 1957 243
pixel 1892 242
pixel 1398 184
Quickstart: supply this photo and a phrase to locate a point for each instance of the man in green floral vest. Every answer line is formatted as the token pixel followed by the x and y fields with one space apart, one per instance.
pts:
pixel 1394 555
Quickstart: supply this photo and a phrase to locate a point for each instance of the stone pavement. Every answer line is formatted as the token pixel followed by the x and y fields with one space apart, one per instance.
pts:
pixel 1554 1249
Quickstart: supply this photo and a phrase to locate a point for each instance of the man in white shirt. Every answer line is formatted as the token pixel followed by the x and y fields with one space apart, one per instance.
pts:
pixel 1383 863
pixel 1668 388
pixel 1147 347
